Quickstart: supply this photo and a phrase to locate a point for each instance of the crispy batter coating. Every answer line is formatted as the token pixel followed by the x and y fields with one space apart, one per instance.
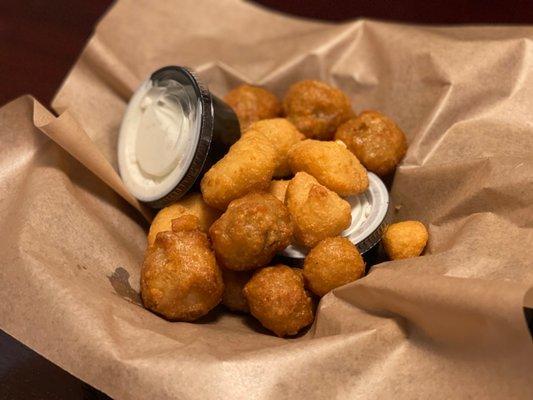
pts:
pixel 180 278
pixel 332 164
pixel 282 135
pixel 247 167
pixel 405 239
pixel 191 204
pixel 277 298
pixel 278 189
pixel 234 282
pixel 252 103
pixel 332 263
pixel 316 108
pixel 251 231
pixel 375 140
pixel 317 212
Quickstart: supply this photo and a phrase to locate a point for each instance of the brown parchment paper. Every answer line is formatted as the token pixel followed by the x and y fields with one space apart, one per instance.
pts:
pixel 446 325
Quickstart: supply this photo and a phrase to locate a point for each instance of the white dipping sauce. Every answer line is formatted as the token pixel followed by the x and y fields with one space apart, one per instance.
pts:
pixel 158 138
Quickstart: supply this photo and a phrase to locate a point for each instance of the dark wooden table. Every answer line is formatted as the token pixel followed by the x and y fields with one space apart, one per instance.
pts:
pixel 41 39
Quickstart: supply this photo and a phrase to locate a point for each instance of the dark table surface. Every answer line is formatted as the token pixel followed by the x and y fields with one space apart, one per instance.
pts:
pixel 41 39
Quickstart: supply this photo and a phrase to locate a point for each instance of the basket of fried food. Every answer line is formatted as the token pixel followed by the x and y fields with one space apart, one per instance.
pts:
pixel 284 182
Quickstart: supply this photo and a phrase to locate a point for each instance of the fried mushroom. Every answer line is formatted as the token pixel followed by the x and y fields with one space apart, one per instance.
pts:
pixel 405 239
pixel 252 103
pixel 333 262
pixel 180 278
pixel 192 204
pixel 234 282
pixel 332 164
pixel 251 231
pixel 247 167
pixel 375 140
pixel 277 298
pixel 317 212
pixel 316 108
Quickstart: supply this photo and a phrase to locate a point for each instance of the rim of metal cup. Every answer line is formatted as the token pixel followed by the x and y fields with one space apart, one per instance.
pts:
pixel 205 135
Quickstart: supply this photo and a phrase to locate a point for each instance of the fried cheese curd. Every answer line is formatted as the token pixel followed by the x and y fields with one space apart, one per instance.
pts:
pixel 277 298
pixel 252 103
pixel 405 239
pixel 282 135
pixel 332 164
pixel 333 262
pixel 247 167
pixel 180 278
pixel 278 188
pixel 234 282
pixel 375 140
pixel 317 212
pixel 316 109
pixel 251 231
pixel 192 204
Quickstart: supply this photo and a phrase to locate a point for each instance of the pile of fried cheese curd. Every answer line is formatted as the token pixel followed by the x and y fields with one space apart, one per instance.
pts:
pixel 283 182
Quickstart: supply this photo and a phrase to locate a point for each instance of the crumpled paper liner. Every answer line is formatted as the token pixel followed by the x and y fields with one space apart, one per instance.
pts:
pixel 66 132
pixel 446 325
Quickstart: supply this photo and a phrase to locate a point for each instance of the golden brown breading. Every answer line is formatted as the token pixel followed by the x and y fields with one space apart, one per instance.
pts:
pixel 234 282
pixel 316 108
pixel 251 231
pixel 282 135
pixel 278 189
pixel 317 212
pixel 332 263
pixel 252 103
pixel 180 278
pixel 191 204
pixel 375 140
pixel 332 164
pixel 247 167
pixel 277 298
pixel 405 239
